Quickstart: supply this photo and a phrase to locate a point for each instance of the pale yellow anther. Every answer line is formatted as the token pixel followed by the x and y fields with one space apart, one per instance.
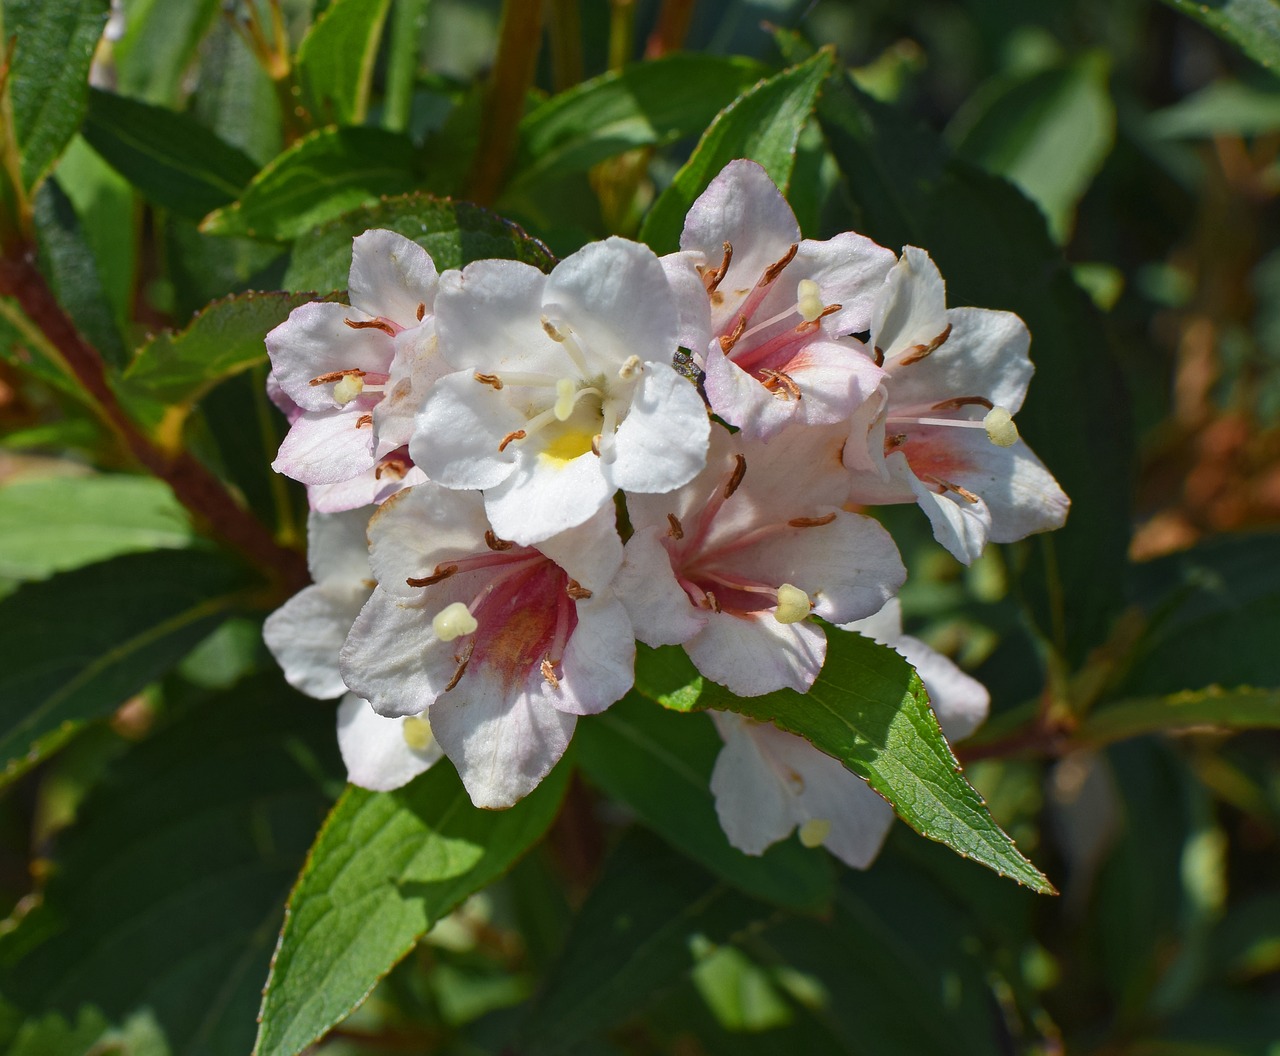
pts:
pixel 1000 428
pixel 566 391
pixel 630 368
pixel 814 832
pixel 793 604
pixel 417 733
pixel 809 300
pixel 453 621
pixel 347 389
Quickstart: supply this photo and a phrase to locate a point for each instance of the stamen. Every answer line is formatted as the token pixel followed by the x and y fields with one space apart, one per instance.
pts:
pixel 562 334
pixel 549 674
pixel 347 389
pixel 812 522
pixel 676 531
pixel 897 440
pixel 963 401
pixel 462 668
pixel 494 543
pixel 775 269
pixel 810 325
pixel 712 277
pixel 566 397
pixel 336 375
pixel 809 300
pixel 595 444
pixel 491 380
pixel 630 368
pixel 576 590
pixel 1000 426
pixel 814 832
pixel 436 576
pixel 947 485
pixel 780 384
pixel 712 604
pixel 422 311
pixel 363 420
pixel 735 478
pixel 394 465
pixel 793 604
pixel 519 434
pixel 879 356
pixel 727 341
pixel 416 731
pixel 917 352
pixel 453 621
pixel 371 324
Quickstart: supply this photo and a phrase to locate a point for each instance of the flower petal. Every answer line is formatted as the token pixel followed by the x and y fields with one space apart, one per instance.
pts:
pixel 752 802
pixel 316 340
pixel 374 748
pixel 327 447
pixel 599 661
pixel 545 496
pixel 458 431
pixel 489 316
pixel 662 442
pixel 660 610
pixel 752 656
pixel 420 528
pixel 391 277
pixel 912 306
pixel 306 633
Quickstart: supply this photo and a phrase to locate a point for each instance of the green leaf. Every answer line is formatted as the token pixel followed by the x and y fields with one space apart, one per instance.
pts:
pixel 454 233
pixel 643 104
pixel 993 250
pixel 385 867
pixel 1047 133
pixel 166 894
pixel 1205 709
pixel 659 764
pixel 323 175
pixel 638 933
pixel 1253 26
pixel 1221 108
pixel 177 369
pixel 763 125
pixel 58 523
pixel 335 59
pixel 404 44
pixel 868 709
pixel 159 44
pixel 172 161
pixel 49 77
pixel 81 643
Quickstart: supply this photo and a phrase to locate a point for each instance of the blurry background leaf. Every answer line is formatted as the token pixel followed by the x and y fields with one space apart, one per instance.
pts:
pixel 335 59
pixel 158 45
pixel 1223 107
pixel 1251 25
pixel 1220 709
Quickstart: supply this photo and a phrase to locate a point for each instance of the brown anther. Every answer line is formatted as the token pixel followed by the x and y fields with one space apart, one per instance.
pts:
pixel 371 324
pixel 393 466
pixel 896 440
pixel 576 590
pixel 363 420
pixel 810 325
pixel 676 531
pixel 494 543
pixel 775 269
pixel 712 277
pixel 489 379
pixel 595 444
pixel 712 604
pixel 917 352
pixel 780 384
pixel 336 375
pixel 963 401
pixel 519 434
pixel 549 328
pixel 549 673
pixel 727 341
pixel 947 485
pixel 879 356
pixel 735 478
pixel 812 522
pixel 441 572
pixel 422 311
pixel 457 675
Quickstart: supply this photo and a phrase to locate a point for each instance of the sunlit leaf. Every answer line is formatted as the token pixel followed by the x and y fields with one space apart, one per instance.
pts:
pixel 1251 25
pixel 335 59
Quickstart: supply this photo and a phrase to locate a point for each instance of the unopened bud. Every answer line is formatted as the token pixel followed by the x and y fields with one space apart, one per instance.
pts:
pixel 1000 428
pixel 453 621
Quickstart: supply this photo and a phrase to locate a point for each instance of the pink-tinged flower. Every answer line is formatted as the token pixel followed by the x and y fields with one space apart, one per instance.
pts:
pixel 767 312
pixel 564 392
pixel 501 645
pixel 731 565
pixel 768 782
pixel 382 753
pixel 358 373
pixel 940 430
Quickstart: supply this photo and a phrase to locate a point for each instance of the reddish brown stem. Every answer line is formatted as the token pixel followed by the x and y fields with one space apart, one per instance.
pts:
pixel 202 493
pixel 672 28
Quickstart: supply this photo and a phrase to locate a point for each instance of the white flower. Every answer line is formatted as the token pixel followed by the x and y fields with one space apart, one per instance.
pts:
pixel 940 431
pixel 768 782
pixel 731 565
pixel 358 373
pixel 501 645
pixel 767 312
pixel 383 753
pixel 564 392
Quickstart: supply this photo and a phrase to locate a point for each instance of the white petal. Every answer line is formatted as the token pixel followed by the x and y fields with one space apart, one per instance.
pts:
pixel 693 308
pixel 850 271
pixel 306 633
pixel 660 610
pixel 961 526
pixel 754 805
pixel 458 430
pixel 366 489
pixel 545 496
pixel 374 749
pixel 416 367
pixel 326 447
pixel 489 318
pixel 960 701
pixel 591 553
pixel 754 656
pixel 599 660
pixel 391 277
pixel 911 309
pixel 337 548
pixel 420 528
pixel 662 442
pixel 316 340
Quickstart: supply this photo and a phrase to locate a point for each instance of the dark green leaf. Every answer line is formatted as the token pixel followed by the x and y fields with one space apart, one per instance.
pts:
pixel 49 77
pixel 763 125
pixel 335 59
pixel 637 934
pixel 1213 708
pixel 659 764
pixel 384 869
pixel 1047 133
pixel 322 176
pixel 404 44
pixel 454 233
pixel 869 710
pixel 159 43
pixel 81 643
pixel 167 892
pixel 172 161
pixel 73 274
pixel 1221 108
pixel 643 104
pixel 58 523
pixel 1251 25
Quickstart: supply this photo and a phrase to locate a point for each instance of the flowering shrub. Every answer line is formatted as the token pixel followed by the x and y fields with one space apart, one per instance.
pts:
pixel 620 422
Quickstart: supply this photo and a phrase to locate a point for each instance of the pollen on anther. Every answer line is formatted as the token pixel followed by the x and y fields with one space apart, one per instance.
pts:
pixel 494 543
pixel 519 434
pixel 453 621
pixel 552 331
pixel 1000 426
pixel 735 478
pixel 371 324
pixel 416 731
pixel 549 673
pixel 814 832
pixel 441 572
pixel 631 366
pixel 793 604
pixel 422 311
pixel 676 531
pixel 492 380
pixel 812 522
pixel 576 590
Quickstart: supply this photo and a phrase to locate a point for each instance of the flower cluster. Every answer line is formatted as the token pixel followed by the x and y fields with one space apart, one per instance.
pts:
pixel 514 476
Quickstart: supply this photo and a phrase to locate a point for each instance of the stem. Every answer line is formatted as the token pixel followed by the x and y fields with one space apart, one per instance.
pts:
pixel 513 68
pixel 203 494
pixel 673 27
pixel 622 33
pixel 564 28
